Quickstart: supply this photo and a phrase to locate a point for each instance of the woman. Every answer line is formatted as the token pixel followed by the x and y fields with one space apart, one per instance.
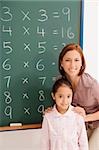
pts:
pixel 86 90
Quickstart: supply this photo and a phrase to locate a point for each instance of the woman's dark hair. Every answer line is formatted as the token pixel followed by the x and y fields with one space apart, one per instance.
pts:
pixel 67 48
pixel 61 81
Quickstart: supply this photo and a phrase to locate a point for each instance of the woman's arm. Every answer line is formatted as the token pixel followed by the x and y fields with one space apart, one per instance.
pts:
pixel 87 117
pixel 92 117
pixel 48 110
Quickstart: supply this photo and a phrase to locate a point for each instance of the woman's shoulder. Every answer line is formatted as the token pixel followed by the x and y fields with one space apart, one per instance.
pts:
pixel 87 76
pixel 87 80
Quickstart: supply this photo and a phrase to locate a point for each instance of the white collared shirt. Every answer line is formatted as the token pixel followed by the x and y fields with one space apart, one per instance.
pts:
pixel 63 131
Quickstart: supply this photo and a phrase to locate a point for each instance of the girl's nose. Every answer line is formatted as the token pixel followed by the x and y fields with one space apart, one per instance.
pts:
pixel 64 100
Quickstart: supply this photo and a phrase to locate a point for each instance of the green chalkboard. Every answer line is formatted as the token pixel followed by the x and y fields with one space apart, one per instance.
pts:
pixel 32 33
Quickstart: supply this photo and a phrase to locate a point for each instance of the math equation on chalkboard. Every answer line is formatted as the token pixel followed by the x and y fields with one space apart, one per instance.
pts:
pixel 32 34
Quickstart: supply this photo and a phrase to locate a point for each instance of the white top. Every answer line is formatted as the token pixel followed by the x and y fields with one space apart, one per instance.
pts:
pixel 63 131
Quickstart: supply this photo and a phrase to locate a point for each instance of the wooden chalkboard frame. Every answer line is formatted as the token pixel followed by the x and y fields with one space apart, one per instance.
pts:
pixel 23 127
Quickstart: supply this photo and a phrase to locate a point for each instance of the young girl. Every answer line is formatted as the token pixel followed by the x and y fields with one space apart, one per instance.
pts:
pixel 62 128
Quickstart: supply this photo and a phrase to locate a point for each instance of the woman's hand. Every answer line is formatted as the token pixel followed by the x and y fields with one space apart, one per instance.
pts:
pixel 80 111
pixel 47 110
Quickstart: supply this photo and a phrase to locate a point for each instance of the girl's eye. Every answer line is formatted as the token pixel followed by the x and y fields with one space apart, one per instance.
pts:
pixel 60 96
pixel 68 96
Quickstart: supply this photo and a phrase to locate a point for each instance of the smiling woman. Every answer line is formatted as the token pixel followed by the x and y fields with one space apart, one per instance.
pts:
pixel 86 89
pixel 72 62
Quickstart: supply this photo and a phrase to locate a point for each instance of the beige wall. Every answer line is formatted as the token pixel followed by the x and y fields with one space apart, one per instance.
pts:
pixel 91 33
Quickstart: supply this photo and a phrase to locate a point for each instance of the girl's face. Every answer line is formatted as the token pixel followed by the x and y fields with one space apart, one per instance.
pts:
pixel 63 98
pixel 72 63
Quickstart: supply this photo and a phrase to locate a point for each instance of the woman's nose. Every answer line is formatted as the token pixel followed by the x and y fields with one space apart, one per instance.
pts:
pixel 72 64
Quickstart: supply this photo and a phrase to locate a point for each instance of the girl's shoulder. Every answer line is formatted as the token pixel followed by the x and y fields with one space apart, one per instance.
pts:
pixel 74 115
pixel 50 113
pixel 77 116
pixel 79 120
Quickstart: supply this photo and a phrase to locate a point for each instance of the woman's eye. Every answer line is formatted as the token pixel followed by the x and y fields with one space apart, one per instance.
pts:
pixel 77 60
pixel 67 60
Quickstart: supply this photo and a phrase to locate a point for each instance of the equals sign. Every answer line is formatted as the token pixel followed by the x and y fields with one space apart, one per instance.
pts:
pixel 55 47
pixel 55 15
pixel 55 31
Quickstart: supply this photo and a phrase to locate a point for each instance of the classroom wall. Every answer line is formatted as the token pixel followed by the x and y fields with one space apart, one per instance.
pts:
pixel 30 139
pixel 91 36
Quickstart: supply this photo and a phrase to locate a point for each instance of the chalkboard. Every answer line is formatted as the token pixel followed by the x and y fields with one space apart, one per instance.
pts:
pixel 32 33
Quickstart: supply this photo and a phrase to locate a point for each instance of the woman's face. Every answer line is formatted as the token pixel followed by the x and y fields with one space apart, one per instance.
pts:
pixel 72 63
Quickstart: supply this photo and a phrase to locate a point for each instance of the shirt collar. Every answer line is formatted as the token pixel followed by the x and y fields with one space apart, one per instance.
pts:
pixel 67 113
